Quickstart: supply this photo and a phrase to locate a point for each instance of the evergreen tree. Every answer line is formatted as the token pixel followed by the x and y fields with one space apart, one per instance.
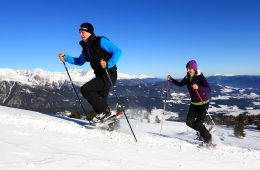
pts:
pixel 239 126
pixel 258 127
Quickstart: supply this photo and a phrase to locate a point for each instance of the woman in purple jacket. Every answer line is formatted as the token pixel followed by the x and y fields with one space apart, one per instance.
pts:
pixel 199 89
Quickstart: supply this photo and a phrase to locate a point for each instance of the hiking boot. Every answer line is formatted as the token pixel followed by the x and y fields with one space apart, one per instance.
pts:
pixel 209 141
pixel 91 115
pixel 104 114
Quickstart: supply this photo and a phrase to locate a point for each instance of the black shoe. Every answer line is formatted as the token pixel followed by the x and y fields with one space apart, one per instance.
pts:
pixel 208 141
pixel 199 138
pixel 91 115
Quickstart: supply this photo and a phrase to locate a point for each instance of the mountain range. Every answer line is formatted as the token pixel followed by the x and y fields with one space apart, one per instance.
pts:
pixel 51 92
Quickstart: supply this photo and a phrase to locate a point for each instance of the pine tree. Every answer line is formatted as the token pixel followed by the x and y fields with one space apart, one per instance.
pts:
pixel 239 126
pixel 258 127
pixel 250 120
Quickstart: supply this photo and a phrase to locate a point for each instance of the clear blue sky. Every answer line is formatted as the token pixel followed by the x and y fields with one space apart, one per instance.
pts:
pixel 157 37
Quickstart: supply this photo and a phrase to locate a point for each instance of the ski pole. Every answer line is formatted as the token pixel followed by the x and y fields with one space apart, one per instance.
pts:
pixel 165 98
pixel 119 102
pixel 76 91
pixel 206 109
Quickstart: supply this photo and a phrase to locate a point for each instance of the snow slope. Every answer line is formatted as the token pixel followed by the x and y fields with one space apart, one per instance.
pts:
pixel 31 140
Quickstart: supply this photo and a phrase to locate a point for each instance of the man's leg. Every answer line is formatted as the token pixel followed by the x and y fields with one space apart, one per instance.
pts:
pixel 104 93
pixel 91 91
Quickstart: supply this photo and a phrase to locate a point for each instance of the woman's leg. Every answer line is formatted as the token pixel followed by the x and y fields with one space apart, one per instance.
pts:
pixel 191 117
pixel 199 126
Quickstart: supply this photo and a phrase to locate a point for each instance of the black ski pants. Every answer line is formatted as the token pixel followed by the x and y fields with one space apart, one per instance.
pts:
pixel 96 91
pixel 195 119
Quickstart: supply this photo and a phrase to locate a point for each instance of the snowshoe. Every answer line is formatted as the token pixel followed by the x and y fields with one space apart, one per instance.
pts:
pixel 208 144
pixel 91 115
pixel 198 137
pixel 99 118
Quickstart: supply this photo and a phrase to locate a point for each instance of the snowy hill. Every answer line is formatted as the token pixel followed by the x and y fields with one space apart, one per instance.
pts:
pixel 31 140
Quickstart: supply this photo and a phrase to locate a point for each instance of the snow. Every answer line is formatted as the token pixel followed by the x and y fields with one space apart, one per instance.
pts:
pixel 9 93
pixel 161 113
pixel 250 96
pixel 233 110
pixel 31 140
pixel 225 75
pixel 177 98
pixel 242 91
pixel 253 112
pixel 219 97
pixel 227 89
pixel 133 76
pixel 227 109
pixel 256 103
pixel 177 95
pixel 234 93
pixel 41 77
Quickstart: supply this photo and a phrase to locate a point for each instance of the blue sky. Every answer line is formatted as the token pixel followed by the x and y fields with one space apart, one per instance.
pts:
pixel 157 37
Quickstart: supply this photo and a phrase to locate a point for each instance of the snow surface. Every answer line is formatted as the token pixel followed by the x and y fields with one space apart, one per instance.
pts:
pixel 227 109
pixel 227 89
pixel 256 103
pixel 31 140
pixel 226 75
pixel 219 97
pixel 233 110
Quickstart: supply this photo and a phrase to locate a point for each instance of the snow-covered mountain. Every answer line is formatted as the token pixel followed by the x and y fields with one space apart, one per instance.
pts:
pixel 52 92
pixel 47 91
pixel 31 140
pixel 40 77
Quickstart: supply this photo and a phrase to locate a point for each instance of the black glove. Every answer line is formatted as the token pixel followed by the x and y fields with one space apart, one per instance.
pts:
pixel 169 78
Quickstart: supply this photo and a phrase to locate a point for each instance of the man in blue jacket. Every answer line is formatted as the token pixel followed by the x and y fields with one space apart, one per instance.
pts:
pixel 101 54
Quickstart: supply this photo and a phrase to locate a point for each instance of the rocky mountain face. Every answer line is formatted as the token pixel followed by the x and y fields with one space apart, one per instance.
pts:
pixel 51 92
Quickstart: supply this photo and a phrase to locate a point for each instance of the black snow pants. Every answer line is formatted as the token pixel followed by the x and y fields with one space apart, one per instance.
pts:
pixel 96 91
pixel 195 119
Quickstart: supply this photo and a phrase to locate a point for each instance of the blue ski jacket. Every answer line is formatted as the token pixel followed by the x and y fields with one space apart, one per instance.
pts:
pixel 106 45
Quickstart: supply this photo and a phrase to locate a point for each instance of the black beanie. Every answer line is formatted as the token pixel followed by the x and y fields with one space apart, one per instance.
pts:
pixel 87 27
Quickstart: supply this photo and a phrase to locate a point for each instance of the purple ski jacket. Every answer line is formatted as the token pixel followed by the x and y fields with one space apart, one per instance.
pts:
pixel 204 87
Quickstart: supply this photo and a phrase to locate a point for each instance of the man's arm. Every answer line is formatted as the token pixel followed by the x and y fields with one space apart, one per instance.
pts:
pixel 112 49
